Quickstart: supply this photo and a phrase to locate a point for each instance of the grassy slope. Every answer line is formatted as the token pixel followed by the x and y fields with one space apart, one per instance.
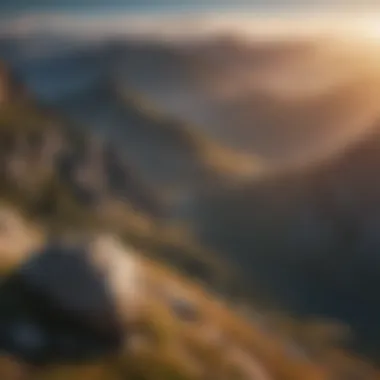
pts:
pixel 170 348
pixel 68 212
pixel 165 347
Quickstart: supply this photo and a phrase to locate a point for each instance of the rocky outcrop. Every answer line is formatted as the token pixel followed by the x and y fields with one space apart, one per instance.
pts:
pixel 68 303
pixel 35 140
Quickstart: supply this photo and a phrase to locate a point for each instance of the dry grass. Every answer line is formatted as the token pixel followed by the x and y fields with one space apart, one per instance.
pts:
pixel 219 345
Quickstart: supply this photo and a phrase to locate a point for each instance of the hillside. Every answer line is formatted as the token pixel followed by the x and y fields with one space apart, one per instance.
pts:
pixel 36 141
pixel 309 234
pixel 82 81
pixel 287 229
pixel 181 331
pixel 279 99
pixel 81 180
pixel 166 151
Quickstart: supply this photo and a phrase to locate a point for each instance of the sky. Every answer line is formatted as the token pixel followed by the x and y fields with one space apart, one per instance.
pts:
pixel 144 16
pixel 141 16
pixel 26 6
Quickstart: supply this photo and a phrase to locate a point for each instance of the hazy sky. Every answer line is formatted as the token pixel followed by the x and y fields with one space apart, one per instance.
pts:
pixel 175 5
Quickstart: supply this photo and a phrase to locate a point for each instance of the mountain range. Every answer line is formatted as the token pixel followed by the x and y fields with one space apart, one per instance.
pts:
pixel 265 152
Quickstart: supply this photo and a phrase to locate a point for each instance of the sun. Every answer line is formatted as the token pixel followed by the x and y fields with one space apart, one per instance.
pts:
pixel 368 28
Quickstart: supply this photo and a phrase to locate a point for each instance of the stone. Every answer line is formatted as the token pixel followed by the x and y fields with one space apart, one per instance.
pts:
pixel 58 308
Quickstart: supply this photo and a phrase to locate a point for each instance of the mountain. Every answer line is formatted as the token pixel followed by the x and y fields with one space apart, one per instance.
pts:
pixel 308 233
pixel 37 143
pixel 41 154
pixel 291 230
pixel 165 150
pixel 82 180
pixel 80 80
pixel 280 99
pixel 154 304
pixel 257 212
pixel 277 99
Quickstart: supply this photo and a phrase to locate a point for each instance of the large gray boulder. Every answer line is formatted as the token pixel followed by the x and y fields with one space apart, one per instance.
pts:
pixel 59 307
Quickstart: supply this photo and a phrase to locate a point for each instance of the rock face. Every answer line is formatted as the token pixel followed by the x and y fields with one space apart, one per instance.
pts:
pixel 58 308
pixel 120 266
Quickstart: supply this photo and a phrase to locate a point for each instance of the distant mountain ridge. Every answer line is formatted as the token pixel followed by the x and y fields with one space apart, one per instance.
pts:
pixel 277 100
pixel 82 180
pixel 307 233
